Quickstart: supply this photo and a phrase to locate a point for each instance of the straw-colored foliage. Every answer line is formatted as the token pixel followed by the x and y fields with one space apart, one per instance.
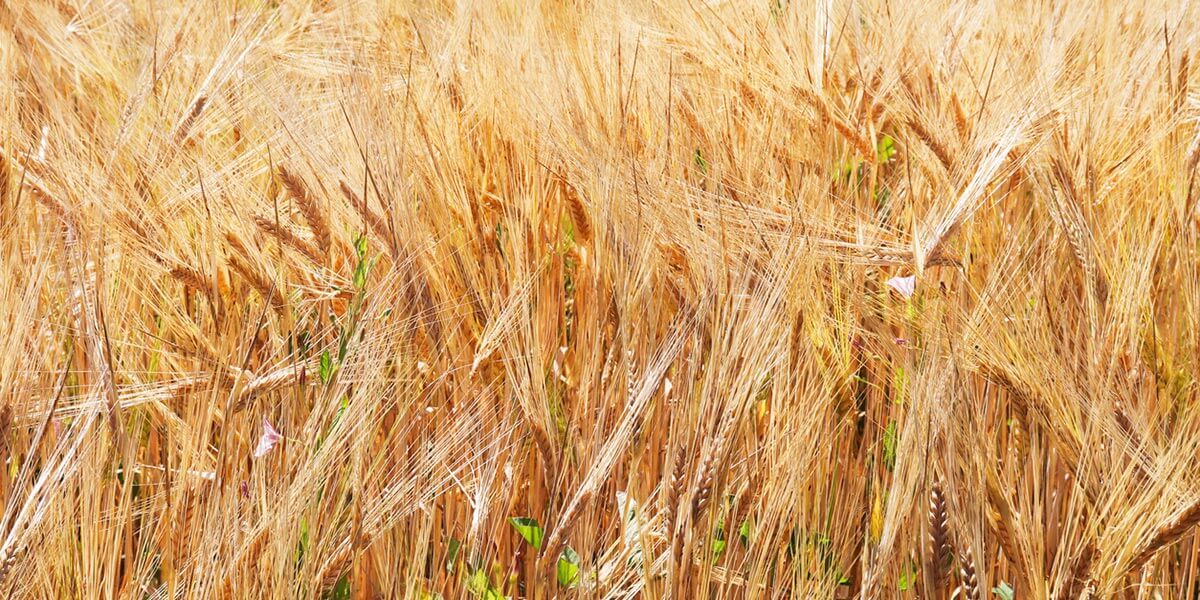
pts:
pixel 599 299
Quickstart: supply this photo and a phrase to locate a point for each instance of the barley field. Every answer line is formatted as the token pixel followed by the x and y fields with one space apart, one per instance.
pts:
pixel 598 299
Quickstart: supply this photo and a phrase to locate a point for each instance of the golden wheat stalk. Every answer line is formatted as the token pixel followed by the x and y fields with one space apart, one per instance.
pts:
pixel 860 143
pixel 995 163
pixel 184 131
pixel 940 549
pixel 969 576
pixel 1028 404
pixel 575 208
pixel 1067 214
pixel 372 218
pixel 1166 533
pixel 308 206
pixel 288 237
pixel 257 280
pixel 931 141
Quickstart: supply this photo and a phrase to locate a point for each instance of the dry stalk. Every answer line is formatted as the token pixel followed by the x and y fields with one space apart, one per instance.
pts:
pixel 1080 577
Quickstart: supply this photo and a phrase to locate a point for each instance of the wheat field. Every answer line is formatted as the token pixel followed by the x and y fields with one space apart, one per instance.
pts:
pixel 599 299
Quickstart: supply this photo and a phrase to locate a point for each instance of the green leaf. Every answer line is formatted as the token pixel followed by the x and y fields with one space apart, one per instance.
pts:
pixel 744 532
pixel 360 273
pixel 529 529
pixel 364 265
pixel 851 172
pixel 343 345
pixel 899 384
pixel 326 370
pixel 341 589
pixel 718 543
pixel 885 149
pixel 568 568
pixel 718 548
pixel 481 587
pixel 882 196
pixel 700 162
pixel 303 340
pixel 302 545
pixel 452 553
pixel 337 418
pixel 908 578
pixel 889 446
pixel 478 583
pixel 1004 590
pixel 345 403
pixel 360 246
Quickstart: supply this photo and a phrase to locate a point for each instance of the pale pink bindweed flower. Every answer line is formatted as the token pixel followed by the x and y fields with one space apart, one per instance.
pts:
pixel 266 443
pixel 904 285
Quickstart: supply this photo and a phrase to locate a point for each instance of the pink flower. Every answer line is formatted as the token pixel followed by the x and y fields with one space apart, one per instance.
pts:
pixel 904 285
pixel 269 438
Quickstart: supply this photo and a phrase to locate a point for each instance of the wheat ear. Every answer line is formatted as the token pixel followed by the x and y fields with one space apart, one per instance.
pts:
pixel 190 277
pixel 961 124
pixel 575 207
pixel 308 207
pixel 185 127
pixel 1005 527
pixel 1067 214
pixel 288 237
pixel 1079 579
pixel 931 141
pixel 1167 533
pixel 939 533
pixel 259 281
pixel 969 588
pixel 373 219
pixel 860 143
